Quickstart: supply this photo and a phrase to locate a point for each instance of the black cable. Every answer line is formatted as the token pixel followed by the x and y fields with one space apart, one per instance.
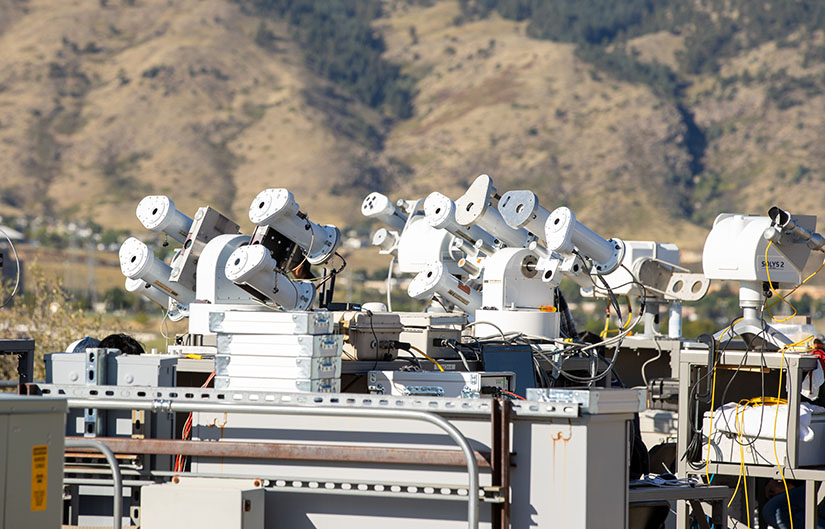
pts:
pixel 762 378
pixel 375 338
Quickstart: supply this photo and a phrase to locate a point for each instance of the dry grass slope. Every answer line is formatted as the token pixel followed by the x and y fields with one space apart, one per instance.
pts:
pixel 103 101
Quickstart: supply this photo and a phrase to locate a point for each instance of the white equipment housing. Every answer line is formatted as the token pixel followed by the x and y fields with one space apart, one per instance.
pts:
pixel 514 296
pixel 736 250
pixel 654 266
pixel 254 267
pixel 278 209
pixel 158 213
pixel 420 244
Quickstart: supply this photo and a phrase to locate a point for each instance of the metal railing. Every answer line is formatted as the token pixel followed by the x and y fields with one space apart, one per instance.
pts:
pixel 117 479
pixel 170 406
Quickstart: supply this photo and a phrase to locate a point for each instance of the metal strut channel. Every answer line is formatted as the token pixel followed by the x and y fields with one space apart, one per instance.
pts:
pixel 415 415
pixel 117 480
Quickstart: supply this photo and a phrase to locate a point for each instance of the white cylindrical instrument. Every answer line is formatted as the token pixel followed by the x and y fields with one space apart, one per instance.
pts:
pixel 254 266
pixel 158 213
pixel 138 261
pixel 440 213
pixel 278 209
pixel 435 279
pixel 379 206
pixel 565 234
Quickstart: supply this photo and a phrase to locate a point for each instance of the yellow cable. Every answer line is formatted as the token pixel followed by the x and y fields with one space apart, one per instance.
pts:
pixel 629 313
pixel 606 329
pixel 739 427
pixel 428 357
pixel 738 481
pixel 794 289
pixel 624 326
pixel 776 418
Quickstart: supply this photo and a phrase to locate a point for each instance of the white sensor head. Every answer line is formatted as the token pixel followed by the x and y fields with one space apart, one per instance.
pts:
pixel 158 213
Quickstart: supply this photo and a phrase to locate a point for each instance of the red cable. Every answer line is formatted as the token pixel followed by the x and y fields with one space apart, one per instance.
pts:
pixel 187 429
pixel 512 394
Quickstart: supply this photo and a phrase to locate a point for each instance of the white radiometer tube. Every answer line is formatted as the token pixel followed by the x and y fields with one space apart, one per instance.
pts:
pixel 521 209
pixel 254 267
pixel 278 209
pixel 379 206
pixel 142 288
pixel 158 213
pixel 439 211
pixel 385 239
pixel 435 279
pixel 565 234
pixel 477 207
pixel 138 261
pixel 175 311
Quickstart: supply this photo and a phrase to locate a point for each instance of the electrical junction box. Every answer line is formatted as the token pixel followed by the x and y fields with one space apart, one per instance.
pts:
pixel 363 330
pixel 453 384
pixel 31 460
pixel 203 503
pixel 426 330
pixel 109 367
pixel 118 370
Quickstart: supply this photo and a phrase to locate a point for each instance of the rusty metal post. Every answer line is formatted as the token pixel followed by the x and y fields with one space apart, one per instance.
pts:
pixel 500 461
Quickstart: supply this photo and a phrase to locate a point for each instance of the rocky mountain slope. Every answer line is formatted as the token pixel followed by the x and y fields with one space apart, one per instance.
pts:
pixel 104 101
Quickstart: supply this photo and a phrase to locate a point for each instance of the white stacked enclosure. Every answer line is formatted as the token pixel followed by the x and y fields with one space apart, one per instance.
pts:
pixel 277 351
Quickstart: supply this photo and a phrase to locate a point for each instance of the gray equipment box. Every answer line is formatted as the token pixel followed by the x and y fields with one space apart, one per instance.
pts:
pixel 592 401
pixel 31 458
pixel 439 384
pixel 114 369
pixel 120 369
pixel 271 322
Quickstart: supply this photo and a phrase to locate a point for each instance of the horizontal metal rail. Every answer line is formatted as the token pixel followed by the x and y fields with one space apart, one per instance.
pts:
pixel 415 415
pixel 291 451
pixel 117 479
